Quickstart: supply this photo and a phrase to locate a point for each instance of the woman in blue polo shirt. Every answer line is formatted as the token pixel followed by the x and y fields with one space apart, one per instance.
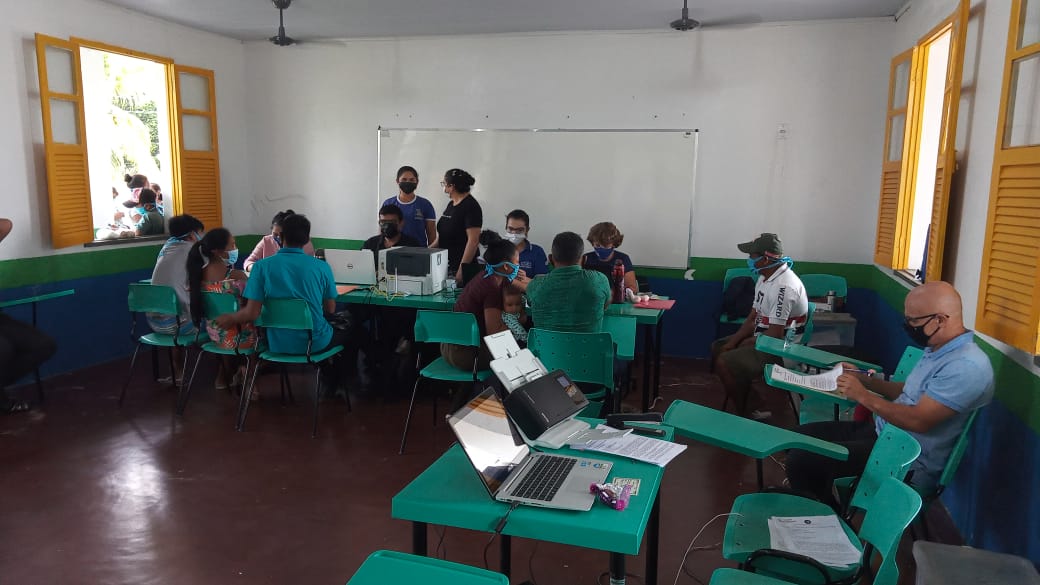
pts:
pixel 419 217
pixel 532 256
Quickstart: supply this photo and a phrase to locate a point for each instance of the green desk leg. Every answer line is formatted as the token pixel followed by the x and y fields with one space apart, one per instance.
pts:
pixel 32 301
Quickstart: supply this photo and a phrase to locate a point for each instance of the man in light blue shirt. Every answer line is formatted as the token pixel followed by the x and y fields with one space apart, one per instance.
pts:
pixel 952 379
pixel 292 274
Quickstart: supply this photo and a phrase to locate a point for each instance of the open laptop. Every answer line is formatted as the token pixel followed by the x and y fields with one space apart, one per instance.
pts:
pixel 352 266
pixel 510 471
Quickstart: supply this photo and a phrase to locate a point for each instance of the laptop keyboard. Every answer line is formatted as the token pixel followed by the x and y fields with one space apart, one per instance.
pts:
pixel 544 478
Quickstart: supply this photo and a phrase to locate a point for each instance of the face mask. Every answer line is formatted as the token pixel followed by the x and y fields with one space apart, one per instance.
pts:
pixel 603 253
pixel 489 270
pixel 141 210
pixel 232 257
pixel 407 187
pixel 277 240
pixel 917 334
pixel 757 270
pixel 198 236
pixel 389 229
pixel 516 238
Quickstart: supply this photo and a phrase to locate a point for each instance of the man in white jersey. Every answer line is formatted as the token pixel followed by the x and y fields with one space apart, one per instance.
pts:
pixel 780 302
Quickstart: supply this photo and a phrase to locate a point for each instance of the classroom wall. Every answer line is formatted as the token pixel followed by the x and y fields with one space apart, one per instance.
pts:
pixel 21 128
pixel 313 110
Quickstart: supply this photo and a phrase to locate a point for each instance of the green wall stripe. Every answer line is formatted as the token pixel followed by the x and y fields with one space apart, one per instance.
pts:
pixel 1016 387
pixel 46 269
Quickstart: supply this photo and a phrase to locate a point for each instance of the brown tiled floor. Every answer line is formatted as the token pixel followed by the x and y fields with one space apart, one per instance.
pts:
pixel 90 493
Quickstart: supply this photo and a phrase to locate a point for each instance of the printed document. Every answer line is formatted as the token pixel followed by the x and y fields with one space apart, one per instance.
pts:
pixel 635 447
pixel 824 382
pixel 818 537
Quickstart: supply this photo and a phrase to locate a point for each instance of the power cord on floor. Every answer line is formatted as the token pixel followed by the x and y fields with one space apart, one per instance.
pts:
pixel 498 530
pixel 437 551
pixel 682 565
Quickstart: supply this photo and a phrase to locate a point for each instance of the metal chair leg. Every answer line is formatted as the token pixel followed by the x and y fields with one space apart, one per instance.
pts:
pixel 185 391
pixel 40 398
pixel 408 417
pixel 129 375
pixel 247 392
pixel 317 401
pixel 794 407
pixel 288 386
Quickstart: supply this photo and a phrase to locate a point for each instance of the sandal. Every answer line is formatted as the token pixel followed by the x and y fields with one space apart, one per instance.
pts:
pixel 9 406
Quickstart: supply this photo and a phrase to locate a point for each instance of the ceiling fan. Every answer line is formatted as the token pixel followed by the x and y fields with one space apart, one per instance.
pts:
pixel 687 24
pixel 281 39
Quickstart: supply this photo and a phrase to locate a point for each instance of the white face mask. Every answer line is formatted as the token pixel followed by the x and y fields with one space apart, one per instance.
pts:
pixel 515 238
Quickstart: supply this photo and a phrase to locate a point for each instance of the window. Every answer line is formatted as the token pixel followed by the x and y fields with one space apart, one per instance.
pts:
pixel 919 157
pixel 1009 290
pixel 109 111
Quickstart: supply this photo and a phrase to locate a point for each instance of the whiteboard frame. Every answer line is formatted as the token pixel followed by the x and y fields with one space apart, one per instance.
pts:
pixel 695 132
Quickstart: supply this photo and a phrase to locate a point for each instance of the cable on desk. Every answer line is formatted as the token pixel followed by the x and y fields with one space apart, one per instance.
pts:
pixel 498 530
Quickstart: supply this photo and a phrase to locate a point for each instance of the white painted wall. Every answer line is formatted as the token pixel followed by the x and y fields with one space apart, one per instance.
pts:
pixel 312 113
pixel 24 197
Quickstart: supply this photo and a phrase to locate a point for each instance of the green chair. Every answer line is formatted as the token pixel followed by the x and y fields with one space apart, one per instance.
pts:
pixel 885 520
pixel 747 532
pixel 443 327
pixel 384 567
pixel 288 314
pixel 585 357
pixel 949 470
pixel 214 304
pixel 818 285
pixel 153 298
pixel 730 275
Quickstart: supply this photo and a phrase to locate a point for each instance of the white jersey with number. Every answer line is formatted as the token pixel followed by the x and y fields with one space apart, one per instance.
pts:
pixel 780 300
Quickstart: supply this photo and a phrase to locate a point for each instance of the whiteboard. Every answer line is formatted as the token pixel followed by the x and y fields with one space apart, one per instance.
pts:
pixel 566 180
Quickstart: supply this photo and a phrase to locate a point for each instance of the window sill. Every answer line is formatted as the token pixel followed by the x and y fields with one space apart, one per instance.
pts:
pixel 126 241
pixel 907 277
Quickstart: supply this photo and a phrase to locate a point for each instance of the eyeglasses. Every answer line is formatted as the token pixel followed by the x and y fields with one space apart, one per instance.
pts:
pixel 443 184
pixel 926 319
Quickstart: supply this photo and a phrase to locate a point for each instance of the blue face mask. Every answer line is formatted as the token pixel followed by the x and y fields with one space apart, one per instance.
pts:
pixel 603 253
pixel 757 270
pixel 277 240
pixel 232 257
pixel 489 270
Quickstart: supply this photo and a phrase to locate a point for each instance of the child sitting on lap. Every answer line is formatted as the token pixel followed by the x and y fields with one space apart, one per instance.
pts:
pixel 513 314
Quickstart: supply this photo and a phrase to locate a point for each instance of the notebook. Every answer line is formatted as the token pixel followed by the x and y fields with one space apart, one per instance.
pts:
pixel 510 471
pixel 352 266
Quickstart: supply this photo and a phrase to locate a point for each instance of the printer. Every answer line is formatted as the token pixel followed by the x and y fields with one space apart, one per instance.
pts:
pixel 411 270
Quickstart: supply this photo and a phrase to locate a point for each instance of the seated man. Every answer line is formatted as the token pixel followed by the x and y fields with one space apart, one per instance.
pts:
pixel 780 302
pixel 532 256
pixel 22 349
pixel 569 298
pixel 171 270
pixel 391 326
pixel 292 274
pixel 953 378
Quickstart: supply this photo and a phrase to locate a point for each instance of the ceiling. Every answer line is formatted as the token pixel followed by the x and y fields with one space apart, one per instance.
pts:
pixel 337 19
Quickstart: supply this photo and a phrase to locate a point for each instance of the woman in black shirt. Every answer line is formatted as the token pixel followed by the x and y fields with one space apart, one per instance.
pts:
pixel 458 229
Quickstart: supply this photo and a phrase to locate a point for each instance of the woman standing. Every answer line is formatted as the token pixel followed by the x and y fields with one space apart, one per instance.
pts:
pixel 458 230
pixel 420 220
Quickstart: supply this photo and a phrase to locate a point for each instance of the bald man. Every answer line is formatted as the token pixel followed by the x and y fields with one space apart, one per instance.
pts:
pixel 952 379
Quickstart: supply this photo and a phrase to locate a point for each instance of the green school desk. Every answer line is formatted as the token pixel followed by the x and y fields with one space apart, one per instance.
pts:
pixel 442 301
pixel 449 493
pixel 385 567
pixel 652 322
pixel 32 301
pixel 743 435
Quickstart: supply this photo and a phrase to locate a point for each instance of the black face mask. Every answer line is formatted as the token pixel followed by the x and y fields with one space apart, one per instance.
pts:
pixel 917 334
pixel 389 230
pixel 408 187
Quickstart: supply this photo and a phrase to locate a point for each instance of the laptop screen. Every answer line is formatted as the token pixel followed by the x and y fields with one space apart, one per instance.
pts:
pixel 488 438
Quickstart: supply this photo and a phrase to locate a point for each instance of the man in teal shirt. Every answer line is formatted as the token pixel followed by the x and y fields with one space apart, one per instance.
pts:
pixel 292 274
pixel 569 298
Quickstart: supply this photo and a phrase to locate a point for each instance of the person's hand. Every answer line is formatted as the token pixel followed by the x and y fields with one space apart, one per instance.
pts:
pixel 522 273
pixel 119 215
pixel 521 281
pixel 238 275
pixel 225 321
pixel 728 346
pixel 458 274
pixel 851 387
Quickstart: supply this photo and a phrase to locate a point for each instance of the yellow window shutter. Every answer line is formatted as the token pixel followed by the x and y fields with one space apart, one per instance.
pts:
pixel 1009 287
pixel 946 162
pixel 65 141
pixel 891 223
pixel 197 169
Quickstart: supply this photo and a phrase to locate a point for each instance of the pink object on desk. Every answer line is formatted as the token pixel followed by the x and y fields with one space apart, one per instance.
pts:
pixel 346 288
pixel 660 304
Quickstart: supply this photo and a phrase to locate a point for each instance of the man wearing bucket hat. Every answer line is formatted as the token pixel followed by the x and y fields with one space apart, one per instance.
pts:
pixel 780 303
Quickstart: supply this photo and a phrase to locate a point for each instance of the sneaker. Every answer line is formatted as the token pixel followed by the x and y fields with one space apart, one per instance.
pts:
pixel 760 414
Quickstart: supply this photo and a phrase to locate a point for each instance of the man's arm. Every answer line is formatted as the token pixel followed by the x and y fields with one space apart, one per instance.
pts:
pixel 746 330
pixel 918 418
pixel 246 314
pixel 330 306
pixel 5 227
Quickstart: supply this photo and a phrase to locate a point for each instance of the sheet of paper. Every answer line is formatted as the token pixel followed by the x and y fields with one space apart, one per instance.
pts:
pixel 346 288
pixel 635 447
pixel 825 382
pixel 662 304
pixel 819 537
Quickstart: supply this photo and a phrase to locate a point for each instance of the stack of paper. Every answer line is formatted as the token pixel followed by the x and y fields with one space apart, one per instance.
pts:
pixel 824 382
pixel 635 447
pixel 819 537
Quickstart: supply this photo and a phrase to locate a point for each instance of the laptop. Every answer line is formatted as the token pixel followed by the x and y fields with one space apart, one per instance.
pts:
pixel 352 266
pixel 510 471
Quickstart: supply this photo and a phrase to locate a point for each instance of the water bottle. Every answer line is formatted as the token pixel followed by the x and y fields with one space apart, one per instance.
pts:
pixel 618 276
pixel 789 334
pixel 830 299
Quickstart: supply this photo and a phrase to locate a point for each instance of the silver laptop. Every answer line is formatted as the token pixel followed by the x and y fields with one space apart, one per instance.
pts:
pixel 510 471
pixel 352 266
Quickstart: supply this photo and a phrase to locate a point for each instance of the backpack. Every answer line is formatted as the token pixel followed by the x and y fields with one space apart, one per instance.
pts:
pixel 738 298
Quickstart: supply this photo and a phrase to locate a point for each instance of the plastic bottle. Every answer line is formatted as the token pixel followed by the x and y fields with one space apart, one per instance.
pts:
pixel 831 299
pixel 789 334
pixel 618 279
